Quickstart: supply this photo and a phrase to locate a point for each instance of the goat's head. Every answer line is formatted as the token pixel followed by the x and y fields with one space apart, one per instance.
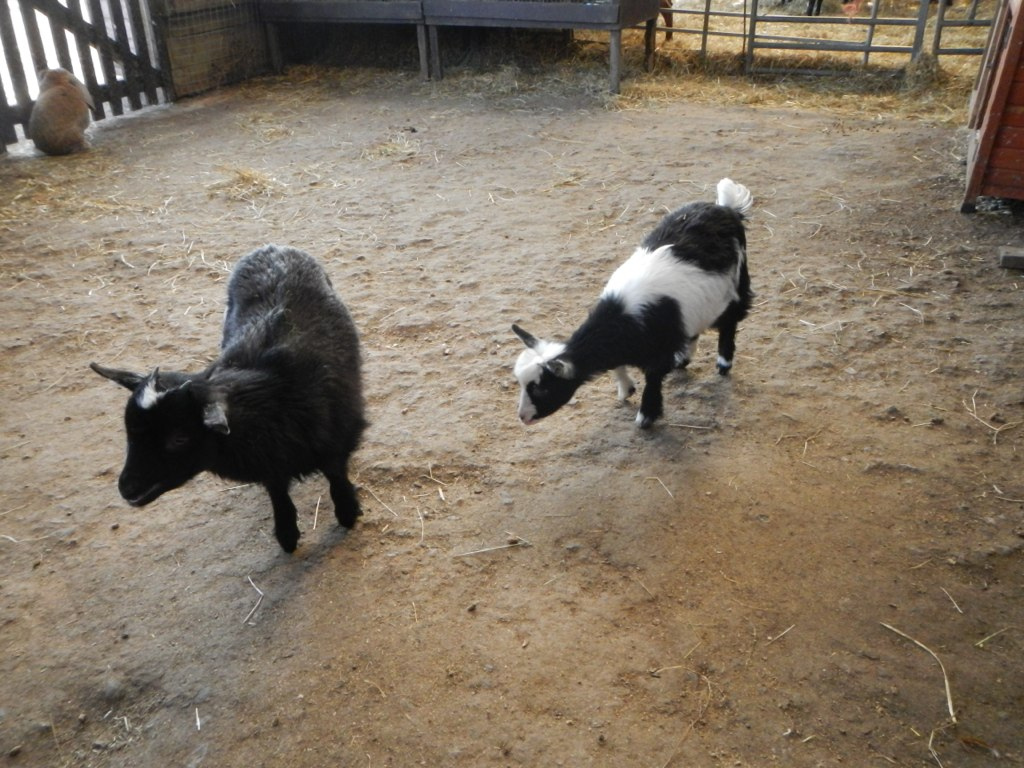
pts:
pixel 547 378
pixel 171 425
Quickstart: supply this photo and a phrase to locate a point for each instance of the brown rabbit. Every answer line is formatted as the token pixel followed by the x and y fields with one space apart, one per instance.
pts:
pixel 61 113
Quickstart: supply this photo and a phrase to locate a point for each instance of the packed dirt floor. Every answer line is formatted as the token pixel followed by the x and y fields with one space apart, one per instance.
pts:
pixel 810 562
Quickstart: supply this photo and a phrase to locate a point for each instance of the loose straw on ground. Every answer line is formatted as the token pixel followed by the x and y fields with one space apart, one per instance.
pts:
pixel 972 410
pixel 259 601
pixel 516 541
pixel 783 633
pixel 945 677
pixel 389 509
pixel 984 640
pixel 662 485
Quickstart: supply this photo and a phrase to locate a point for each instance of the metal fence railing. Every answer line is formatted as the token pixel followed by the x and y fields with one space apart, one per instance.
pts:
pixel 758 27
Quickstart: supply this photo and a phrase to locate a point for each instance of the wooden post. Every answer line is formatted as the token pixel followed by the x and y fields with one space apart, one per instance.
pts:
pixel 748 65
pixel 421 44
pixel 922 22
pixel 274 48
pixel 437 71
pixel 615 63
pixel 650 31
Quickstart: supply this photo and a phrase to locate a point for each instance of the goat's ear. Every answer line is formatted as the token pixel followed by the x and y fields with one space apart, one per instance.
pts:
pixel 561 368
pixel 528 338
pixel 215 415
pixel 126 379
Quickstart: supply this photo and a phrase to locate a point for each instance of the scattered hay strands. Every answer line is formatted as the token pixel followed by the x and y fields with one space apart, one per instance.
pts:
pixel 972 410
pixel 398 146
pixel 945 677
pixel 246 185
pixel 513 542
pixel 259 602
pixel 981 643
pixel 662 484
pixel 46 192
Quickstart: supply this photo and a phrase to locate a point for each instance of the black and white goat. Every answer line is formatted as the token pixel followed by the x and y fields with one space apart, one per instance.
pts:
pixel 282 401
pixel 688 275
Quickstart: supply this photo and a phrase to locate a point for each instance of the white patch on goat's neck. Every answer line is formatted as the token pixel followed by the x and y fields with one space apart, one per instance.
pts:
pixel 647 276
pixel 149 396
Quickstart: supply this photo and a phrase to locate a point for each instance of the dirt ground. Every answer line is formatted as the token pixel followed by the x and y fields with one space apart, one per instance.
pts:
pixel 742 585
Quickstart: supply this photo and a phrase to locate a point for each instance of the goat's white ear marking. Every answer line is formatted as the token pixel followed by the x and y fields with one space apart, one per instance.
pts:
pixel 150 395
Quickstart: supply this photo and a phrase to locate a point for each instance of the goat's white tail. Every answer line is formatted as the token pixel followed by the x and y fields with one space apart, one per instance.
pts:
pixel 736 196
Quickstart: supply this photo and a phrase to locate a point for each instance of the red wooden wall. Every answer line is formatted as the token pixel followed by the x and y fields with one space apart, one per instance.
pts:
pixel 995 156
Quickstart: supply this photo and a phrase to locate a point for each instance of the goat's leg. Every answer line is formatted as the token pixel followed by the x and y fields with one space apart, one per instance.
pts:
pixel 623 383
pixel 727 337
pixel 286 527
pixel 726 348
pixel 343 494
pixel 651 403
pixel 685 355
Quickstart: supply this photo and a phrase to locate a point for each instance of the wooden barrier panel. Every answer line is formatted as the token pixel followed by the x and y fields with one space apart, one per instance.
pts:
pixel 114 48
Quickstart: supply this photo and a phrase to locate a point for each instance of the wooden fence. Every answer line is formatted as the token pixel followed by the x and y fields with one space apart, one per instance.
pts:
pixel 114 46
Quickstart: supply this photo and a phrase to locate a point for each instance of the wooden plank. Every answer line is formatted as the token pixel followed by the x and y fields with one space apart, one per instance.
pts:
pixel 35 40
pixel 1004 182
pixel 522 14
pixel 128 65
pixel 105 54
pixel 986 71
pixel 1007 159
pixel 1015 95
pixel 85 61
pixel 7 121
pixel 146 82
pixel 60 43
pixel 163 54
pixel 1010 137
pixel 1014 116
pixel 350 11
pixel 1005 193
pixel 19 81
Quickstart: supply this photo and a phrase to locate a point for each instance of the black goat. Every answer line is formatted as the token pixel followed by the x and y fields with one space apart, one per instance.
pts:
pixel 283 400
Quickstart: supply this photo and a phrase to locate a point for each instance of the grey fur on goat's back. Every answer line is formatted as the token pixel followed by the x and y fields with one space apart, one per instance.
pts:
pixel 282 401
pixel 279 278
pixel 280 299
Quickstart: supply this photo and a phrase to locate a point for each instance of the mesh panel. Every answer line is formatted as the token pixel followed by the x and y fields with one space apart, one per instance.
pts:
pixel 212 44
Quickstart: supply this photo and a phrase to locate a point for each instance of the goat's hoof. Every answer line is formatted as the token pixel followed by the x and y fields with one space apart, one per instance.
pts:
pixel 644 422
pixel 288 541
pixel 723 366
pixel 347 517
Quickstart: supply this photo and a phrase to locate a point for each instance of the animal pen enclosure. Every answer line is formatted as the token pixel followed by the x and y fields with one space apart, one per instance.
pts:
pixel 136 53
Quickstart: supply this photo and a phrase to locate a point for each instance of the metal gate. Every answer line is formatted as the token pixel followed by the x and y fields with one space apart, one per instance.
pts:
pixel 113 46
